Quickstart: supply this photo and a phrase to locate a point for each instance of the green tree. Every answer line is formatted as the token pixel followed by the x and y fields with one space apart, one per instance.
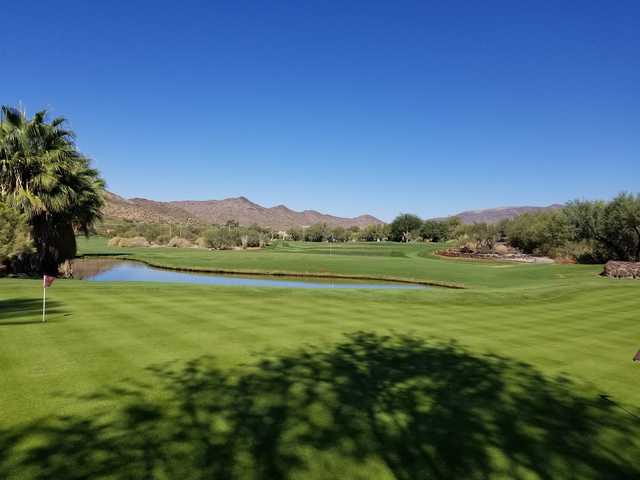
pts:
pixel 318 232
pixel 44 177
pixel 221 237
pixel 453 224
pixel 405 227
pixel 15 239
pixel 484 236
pixel 542 233
pixel 338 234
pixel 435 230
pixel 295 234
pixel 621 226
pixel 373 233
pixel 590 222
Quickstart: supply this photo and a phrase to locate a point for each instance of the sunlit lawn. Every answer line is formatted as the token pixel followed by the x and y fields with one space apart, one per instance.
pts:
pixel 171 381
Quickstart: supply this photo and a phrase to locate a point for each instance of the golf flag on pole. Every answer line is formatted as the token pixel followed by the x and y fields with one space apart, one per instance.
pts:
pixel 47 280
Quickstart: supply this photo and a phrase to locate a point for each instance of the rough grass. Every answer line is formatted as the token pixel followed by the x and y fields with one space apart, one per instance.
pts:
pixel 186 381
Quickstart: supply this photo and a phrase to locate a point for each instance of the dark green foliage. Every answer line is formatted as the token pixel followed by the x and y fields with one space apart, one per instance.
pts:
pixel 540 233
pixel 483 236
pixel 15 239
pixel 318 232
pixel 405 227
pixel 338 234
pixel 221 238
pixel 374 233
pixel 587 231
pixel 622 226
pixel 613 227
pixel 44 177
pixel 435 230
pixel 295 234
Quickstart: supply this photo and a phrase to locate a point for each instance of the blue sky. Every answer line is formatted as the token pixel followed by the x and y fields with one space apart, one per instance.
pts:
pixel 343 107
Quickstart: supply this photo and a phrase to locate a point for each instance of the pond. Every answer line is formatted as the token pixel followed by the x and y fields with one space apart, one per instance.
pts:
pixel 111 270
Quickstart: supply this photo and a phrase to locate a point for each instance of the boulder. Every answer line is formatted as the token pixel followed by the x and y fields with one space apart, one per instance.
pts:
pixel 615 269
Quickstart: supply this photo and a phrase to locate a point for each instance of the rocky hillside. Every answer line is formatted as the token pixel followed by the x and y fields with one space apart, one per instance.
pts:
pixel 240 209
pixel 494 215
pixel 142 210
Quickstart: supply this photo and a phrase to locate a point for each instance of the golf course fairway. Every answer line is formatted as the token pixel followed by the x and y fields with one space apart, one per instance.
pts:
pixel 525 372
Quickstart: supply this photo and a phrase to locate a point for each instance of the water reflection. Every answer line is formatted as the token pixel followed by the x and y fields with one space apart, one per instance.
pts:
pixel 111 270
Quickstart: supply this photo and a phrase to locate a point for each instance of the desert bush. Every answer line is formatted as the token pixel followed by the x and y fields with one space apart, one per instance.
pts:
pixel 583 251
pixel 295 234
pixel 221 238
pixel 318 232
pixel 479 237
pixel 540 233
pixel 180 243
pixel 128 242
pixel 201 242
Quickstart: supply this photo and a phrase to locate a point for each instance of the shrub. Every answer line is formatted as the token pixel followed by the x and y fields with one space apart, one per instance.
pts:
pixel 128 242
pixel 221 238
pixel 180 243
pixel 480 237
pixel 15 237
pixel 540 233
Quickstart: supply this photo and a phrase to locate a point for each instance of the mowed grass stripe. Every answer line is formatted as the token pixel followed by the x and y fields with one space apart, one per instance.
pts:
pixel 561 320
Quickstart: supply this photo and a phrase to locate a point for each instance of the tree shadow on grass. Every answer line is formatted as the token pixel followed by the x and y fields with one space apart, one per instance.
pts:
pixel 103 254
pixel 26 311
pixel 375 406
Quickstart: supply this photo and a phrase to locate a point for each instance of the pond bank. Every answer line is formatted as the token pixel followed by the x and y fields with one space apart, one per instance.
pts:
pixel 278 273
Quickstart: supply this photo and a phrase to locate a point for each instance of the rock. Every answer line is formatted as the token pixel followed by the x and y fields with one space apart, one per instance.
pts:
pixel 615 269
pixel 466 252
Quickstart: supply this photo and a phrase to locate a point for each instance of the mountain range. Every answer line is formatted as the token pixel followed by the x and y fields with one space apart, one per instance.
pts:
pixel 494 215
pixel 239 209
pixel 280 217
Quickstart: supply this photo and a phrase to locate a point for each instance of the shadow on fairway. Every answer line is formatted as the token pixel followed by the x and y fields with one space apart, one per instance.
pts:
pixel 370 407
pixel 27 310
pixel 104 254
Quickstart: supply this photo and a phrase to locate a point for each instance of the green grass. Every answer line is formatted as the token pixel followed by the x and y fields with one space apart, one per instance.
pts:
pixel 184 381
pixel 385 260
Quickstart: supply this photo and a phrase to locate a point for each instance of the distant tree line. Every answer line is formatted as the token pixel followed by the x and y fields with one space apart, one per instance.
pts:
pixel 407 227
pixel 585 231
pixel 219 237
pixel 589 231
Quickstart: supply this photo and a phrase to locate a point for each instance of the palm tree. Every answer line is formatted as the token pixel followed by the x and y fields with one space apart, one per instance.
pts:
pixel 43 175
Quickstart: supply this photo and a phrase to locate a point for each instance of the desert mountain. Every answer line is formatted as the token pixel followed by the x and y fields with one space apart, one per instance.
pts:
pixel 239 209
pixel 494 215
pixel 142 210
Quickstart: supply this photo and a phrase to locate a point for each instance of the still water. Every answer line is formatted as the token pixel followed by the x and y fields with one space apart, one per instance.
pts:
pixel 109 270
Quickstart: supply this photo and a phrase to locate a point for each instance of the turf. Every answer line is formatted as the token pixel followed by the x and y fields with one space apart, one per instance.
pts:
pixel 384 260
pixel 184 381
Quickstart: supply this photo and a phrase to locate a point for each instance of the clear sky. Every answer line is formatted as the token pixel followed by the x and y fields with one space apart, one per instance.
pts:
pixel 343 107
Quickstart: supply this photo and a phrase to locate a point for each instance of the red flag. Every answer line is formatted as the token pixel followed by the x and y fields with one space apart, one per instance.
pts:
pixel 47 280
pixel 636 357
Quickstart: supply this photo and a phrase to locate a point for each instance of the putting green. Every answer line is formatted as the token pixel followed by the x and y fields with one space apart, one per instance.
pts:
pixel 129 380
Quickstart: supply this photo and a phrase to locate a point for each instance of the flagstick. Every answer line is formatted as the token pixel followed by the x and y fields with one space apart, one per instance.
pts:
pixel 44 302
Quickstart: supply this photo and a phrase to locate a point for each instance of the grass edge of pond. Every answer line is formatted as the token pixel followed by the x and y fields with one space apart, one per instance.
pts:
pixel 282 273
